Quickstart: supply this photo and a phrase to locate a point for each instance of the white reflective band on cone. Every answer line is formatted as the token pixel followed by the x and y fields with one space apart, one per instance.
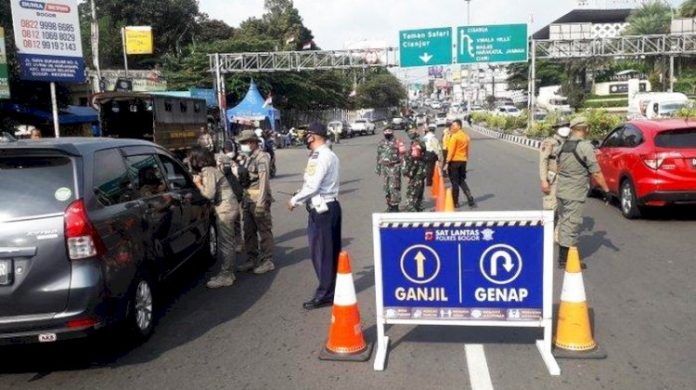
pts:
pixel 345 291
pixel 573 288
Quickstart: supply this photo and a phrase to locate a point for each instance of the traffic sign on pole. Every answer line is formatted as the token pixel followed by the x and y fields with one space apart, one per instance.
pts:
pixel 494 43
pixel 426 47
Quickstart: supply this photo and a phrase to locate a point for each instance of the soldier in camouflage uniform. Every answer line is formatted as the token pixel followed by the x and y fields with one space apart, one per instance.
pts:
pixel 389 167
pixel 415 170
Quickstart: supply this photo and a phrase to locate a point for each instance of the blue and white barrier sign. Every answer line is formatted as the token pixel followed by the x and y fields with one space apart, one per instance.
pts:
pixel 47 36
pixel 467 269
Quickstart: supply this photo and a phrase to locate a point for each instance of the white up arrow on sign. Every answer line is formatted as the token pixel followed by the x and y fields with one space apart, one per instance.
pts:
pixel 425 58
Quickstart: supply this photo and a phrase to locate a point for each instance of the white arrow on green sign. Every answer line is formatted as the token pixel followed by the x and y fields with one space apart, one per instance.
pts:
pixel 425 47
pixel 494 43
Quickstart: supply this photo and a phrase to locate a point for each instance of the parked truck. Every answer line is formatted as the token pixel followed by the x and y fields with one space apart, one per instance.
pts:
pixel 172 122
pixel 655 105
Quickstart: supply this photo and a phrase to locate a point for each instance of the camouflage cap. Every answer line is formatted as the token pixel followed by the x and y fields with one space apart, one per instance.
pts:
pixel 561 123
pixel 580 121
pixel 247 136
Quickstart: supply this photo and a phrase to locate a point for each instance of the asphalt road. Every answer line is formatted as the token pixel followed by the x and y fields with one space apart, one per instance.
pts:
pixel 255 335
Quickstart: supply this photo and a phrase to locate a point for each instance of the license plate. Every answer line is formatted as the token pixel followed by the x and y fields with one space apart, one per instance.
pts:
pixel 6 272
pixel 47 337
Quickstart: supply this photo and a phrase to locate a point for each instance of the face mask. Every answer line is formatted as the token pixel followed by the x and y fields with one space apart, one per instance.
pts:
pixel 308 141
pixel 246 149
pixel 389 136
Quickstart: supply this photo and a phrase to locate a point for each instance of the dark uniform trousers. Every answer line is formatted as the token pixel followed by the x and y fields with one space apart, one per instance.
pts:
pixel 324 233
pixel 457 174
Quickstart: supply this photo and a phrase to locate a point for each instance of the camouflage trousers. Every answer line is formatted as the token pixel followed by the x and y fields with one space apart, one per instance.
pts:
pixel 392 184
pixel 414 191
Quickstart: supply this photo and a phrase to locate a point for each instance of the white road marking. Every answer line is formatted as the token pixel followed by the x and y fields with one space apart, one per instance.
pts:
pixel 479 376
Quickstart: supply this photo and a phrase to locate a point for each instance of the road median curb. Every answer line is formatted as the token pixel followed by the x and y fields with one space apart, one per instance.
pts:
pixel 515 139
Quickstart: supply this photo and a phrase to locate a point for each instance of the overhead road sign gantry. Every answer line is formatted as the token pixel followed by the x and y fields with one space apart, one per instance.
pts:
pixel 289 61
pixel 493 43
pixel 425 47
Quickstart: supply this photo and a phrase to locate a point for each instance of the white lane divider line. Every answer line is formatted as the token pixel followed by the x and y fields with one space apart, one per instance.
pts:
pixel 479 376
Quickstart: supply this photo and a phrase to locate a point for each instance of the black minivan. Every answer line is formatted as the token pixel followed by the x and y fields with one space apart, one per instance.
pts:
pixel 88 227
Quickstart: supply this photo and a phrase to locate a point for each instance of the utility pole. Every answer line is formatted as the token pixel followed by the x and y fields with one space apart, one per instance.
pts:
pixel 95 45
pixel 469 71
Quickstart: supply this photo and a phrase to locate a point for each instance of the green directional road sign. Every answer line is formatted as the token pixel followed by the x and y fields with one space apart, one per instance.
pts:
pixel 495 43
pixel 426 47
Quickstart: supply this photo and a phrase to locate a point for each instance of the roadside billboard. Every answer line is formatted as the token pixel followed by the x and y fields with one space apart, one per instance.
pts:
pixel 4 73
pixel 139 40
pixel 47 37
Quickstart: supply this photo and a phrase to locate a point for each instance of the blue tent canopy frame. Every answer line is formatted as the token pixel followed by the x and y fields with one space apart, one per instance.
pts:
pixel 253 108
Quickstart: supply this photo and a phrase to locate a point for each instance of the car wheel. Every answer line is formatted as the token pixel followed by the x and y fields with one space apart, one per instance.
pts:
pixel 628 201
pixel 140 322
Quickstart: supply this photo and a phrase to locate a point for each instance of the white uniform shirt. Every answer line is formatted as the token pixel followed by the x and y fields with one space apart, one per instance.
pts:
pixel 320 177
pixel 432 144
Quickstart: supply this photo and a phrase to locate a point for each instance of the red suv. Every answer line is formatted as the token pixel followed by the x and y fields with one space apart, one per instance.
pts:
pixel 650 163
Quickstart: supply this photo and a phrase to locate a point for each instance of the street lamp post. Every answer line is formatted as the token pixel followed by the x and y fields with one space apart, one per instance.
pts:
pixel 470 87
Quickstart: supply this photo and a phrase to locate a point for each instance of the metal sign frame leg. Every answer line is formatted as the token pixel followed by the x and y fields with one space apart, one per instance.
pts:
pixel 382 339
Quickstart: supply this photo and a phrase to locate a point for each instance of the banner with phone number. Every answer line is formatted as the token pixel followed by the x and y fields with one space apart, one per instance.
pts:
pixel 47 36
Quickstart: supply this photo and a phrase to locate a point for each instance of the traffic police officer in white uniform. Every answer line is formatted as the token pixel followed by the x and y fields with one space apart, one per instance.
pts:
pixel 320 195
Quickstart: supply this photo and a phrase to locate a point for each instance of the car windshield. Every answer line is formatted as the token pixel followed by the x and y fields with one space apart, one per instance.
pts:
pixel 35 185
pixel 680 139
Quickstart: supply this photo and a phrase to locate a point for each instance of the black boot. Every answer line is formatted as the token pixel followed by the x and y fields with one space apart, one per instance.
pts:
pixel 393 209
pixel 470 199
pixel 562 256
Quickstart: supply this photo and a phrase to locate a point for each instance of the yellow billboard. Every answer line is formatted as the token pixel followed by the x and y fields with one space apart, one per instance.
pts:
pixel 138 39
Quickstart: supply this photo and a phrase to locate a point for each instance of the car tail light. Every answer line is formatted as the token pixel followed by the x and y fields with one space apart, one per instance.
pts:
pixel 81 237
pixel 81 323
pixel 663 160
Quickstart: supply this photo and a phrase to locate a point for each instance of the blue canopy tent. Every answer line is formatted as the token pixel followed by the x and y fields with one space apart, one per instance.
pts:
pixel 253 108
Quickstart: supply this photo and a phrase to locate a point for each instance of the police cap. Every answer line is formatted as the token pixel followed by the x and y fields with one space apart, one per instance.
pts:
pixel 317 128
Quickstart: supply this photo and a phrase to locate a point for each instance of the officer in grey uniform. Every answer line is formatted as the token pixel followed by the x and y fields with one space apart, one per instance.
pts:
pixel 319 194
pixel 576 163
pixel 256 210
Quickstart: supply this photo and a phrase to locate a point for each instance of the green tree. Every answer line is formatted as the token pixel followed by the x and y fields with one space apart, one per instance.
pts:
pixel 653 17
pixel 547 73
pixel 688 9
pixel 381 89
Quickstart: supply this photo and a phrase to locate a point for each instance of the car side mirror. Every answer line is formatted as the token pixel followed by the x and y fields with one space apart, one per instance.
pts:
pixel 596 143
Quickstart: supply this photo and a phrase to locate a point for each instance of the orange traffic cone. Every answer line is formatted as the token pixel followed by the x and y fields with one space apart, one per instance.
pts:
pixel 449 202
pixel 573 334
pixel 437 178
pixel 346 341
